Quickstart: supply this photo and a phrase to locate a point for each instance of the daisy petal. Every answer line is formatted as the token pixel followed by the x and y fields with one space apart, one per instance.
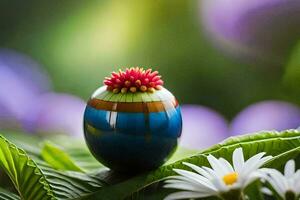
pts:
pixel 196 177
pixel 266 191
pixel 238 159
pixel 216 165
pixel 181 178
pixel 186 195
pixel 220 185
pixel 184 186
pixel 222 176
pixel 278 182
pixel 212 173
pixel 198 170
pixel 188 180
pixel 227 165
pixel 289 169
pixel 254 165
pixel 252 177
pixel 254 159
pixel 297 187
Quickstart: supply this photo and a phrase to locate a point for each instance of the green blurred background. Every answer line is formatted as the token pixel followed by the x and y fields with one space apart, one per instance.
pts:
pixel 81 42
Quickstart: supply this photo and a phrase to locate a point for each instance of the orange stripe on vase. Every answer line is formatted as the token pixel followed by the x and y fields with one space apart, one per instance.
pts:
pixel 154 106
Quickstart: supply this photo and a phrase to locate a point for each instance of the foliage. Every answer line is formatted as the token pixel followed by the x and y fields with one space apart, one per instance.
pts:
pixel 26 176
pixel 51 171
pixel 58 159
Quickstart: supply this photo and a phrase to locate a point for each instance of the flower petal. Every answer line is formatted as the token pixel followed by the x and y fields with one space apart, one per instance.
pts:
pixel 199 170
pixel 296 186
pixel 227 165
pixel 252 177
pixel 186 195
pixel 220 185
pixel 195 177
pixel 277 180
pixel 181 185
pixel 254 163
pixel 211 172
pixel 217 166
pixel 266 191
pixel 238 159
pixel 289 169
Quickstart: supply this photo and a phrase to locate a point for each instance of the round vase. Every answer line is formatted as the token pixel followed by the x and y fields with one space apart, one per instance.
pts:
pixel 132 131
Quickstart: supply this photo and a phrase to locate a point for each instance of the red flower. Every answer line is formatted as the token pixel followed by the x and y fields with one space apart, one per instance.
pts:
pixel 133 80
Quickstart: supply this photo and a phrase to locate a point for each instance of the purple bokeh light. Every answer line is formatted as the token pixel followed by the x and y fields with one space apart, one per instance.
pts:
pixel 21 80
pixel 26 102
pixel 257 29
pixel 266 115
pixel 202 127
pixel 55 113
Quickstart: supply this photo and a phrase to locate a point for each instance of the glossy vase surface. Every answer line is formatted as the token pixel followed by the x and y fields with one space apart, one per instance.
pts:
pixel 132 131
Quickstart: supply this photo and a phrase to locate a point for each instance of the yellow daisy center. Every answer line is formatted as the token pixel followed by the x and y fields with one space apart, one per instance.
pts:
pixel 230 178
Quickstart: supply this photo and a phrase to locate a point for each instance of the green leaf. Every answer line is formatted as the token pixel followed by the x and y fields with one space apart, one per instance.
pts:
pixel 7 195
pixel 71 185
pixel 28 142
pixel 84 159
pixel 108 185
pixel 33 179
pixel 57 158
pixel 282 145
pixel 78 152
pixel 75 148
pixel 181 153
pixel 26 176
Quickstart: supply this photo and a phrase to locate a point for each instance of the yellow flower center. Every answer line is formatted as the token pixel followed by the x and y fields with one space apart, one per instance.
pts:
pixel 230 178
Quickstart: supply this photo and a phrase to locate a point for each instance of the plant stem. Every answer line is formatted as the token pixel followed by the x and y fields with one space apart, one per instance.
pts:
pixel 233 195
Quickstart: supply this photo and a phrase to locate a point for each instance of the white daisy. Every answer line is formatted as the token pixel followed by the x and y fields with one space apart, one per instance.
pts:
pixel 222 179
pixel 286 185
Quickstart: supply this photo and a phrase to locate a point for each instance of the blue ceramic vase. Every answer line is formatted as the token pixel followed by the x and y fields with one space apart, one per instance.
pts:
pixel 132 131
